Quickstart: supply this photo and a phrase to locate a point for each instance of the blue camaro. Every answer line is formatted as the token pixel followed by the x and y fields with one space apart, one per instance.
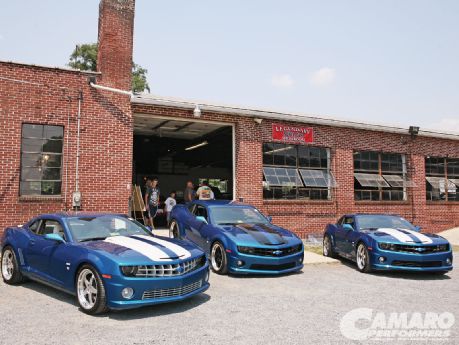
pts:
pixel 108 261
pixel 386 242
pixel 237 237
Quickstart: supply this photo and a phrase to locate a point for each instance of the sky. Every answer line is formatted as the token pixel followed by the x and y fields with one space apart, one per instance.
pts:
pixel 379 61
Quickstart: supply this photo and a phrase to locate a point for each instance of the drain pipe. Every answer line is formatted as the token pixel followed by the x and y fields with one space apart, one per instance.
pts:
pixel 77 163
pixel 111 89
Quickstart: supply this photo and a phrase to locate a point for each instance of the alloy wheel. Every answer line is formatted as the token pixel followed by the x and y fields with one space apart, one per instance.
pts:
pixel 87 289
pixel 8 264
pixel 217 257
pixel 361 257
pixel 326 246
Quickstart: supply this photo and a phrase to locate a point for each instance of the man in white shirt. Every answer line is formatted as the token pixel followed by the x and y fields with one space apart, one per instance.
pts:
pixel 205 192
pixel 170 203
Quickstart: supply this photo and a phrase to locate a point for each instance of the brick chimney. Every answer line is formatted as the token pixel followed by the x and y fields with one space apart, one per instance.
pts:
pixel 116 30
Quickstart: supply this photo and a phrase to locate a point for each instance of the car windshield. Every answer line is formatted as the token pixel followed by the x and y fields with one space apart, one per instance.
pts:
pixel 237 215
pixel 374 222
pixel 100 227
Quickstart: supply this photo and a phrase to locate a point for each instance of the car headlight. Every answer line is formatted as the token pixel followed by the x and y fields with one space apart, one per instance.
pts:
pixel 129 271
pixel 246 250
pixel 387 246
pixel 443 247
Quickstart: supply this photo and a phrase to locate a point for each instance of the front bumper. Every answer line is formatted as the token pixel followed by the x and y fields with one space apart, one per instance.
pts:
pixel 150 291
pixel 269 265
pixel 399 261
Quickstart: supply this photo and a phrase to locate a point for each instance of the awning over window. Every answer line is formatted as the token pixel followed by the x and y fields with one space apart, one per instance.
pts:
pixel 371 180
pixel 317 178
pixel 282 177
pixel 398 181
pixel 455 181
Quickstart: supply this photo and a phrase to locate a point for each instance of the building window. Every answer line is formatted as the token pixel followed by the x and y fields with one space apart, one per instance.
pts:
pixel 380 176
pixel 41 159
pixel 296 172
pixel 442 179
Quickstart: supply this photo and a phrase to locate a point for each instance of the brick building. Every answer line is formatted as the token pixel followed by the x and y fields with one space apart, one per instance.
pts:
pixel 60 134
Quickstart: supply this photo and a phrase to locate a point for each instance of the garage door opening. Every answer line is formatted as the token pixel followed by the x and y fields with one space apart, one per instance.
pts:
pixel 176 151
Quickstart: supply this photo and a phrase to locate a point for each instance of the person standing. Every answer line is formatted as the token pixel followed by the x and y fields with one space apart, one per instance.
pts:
pixel 189 194
pixel 170 203
pixel 205 192
pixel 152 201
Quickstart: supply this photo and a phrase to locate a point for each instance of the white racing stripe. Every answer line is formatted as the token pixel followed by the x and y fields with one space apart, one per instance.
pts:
pixel 181 252
pixel 423 238
pixel 400 236
pixel 150 251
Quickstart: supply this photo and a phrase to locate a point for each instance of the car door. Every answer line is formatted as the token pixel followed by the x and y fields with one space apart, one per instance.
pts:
pixel 197 226
pixel 343 235
pixel 46 258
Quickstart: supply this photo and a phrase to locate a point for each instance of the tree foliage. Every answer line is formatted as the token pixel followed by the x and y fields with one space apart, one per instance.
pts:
pixel 84 57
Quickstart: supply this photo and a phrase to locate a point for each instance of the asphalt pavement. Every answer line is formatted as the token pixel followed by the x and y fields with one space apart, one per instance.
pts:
pixel 302 308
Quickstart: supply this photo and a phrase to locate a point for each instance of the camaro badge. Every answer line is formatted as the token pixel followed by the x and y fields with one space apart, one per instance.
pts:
pixel 277 252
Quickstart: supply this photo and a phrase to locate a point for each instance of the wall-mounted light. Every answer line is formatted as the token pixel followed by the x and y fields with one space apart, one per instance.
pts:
pixel 197 111
pixel 414 131
pixel 258 120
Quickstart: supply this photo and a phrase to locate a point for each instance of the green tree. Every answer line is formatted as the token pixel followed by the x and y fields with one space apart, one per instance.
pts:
pixel 84 57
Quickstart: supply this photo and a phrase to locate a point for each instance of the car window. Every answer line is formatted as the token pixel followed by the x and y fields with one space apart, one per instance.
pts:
pixel 50 226
pixel 350 221
pixel 340 221
pixel 34 226
pixel 191 207
pixel 200 211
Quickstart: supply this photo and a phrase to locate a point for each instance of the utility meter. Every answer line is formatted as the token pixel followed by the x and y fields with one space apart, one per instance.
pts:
pixel 76 199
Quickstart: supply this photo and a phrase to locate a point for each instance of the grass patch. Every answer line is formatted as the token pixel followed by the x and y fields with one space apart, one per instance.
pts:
pixel 313 249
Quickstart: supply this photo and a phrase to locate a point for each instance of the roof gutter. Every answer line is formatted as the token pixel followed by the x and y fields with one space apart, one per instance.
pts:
pixel 272 115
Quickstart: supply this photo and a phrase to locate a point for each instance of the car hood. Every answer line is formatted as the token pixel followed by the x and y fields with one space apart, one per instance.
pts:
pixel 404 236
pixel 259 234
pixel 143 249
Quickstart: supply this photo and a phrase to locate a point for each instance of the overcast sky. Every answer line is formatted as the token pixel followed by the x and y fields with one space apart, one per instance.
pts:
pixel 381 61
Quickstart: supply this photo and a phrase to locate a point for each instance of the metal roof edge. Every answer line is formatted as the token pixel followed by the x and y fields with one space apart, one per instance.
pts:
pixel 286 116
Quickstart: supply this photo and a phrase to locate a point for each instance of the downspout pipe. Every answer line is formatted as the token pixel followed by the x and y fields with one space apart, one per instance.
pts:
pixel 77 163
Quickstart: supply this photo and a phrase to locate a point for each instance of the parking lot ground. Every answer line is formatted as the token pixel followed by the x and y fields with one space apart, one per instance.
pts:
pixel 303 308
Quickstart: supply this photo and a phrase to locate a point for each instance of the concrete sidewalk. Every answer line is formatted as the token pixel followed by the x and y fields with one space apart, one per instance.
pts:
pixel 452 235
pixel 309 257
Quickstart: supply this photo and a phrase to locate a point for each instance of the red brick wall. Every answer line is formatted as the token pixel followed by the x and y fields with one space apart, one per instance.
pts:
pixel 39 95
pixel 306 217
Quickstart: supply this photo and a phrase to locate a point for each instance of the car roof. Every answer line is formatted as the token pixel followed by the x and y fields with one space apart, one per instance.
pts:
pixel 371 214
pixel 74 214
pixel 212 203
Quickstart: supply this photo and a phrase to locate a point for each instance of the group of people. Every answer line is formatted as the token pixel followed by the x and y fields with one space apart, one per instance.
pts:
pixel 152 198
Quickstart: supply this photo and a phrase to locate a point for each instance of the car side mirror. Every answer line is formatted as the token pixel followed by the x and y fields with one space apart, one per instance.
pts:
pixel 417 228
pixel 202 219
pixel 54 237
pixel 348 227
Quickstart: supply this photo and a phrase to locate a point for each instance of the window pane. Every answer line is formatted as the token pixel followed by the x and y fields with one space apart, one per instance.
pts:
pixel 50 188
pixel 453 168
pixel 278 152
pixel 51 174
pixel 32 145
pixel 52 146
pixel 53 132
pixel 31 174
pixel 290 156
pixel 31 160
pixel 32 131
pixel 30 188
pixel 267 153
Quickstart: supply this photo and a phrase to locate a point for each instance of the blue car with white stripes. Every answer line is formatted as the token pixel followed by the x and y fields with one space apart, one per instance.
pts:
pixel 107 261
pixel 386 242
pixel 237 237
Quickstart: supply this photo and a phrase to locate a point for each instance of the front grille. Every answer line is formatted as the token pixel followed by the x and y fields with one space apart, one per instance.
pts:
pixel 170 270
pixel 172 292
pixel 418 249
pixel 270 251
pixel 280 267
pixel 416 263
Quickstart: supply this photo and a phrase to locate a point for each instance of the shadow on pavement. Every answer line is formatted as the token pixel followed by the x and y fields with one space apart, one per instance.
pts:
pixel 123 315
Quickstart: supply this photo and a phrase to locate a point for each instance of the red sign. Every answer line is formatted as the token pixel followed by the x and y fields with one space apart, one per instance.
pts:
pixel 293 134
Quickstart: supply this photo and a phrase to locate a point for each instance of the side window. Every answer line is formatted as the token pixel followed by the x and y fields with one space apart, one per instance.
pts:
pixel 49 226
pixel 350 221
pixel 34 226
pixel 340 221
pixel 191 208
pixel 200 211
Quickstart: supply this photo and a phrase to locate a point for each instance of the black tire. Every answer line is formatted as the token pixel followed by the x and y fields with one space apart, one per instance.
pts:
pixel 327 247
pixel 14 276
pixel 363 263
pixel 218 259
pixel 174 229
pixel 100 304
